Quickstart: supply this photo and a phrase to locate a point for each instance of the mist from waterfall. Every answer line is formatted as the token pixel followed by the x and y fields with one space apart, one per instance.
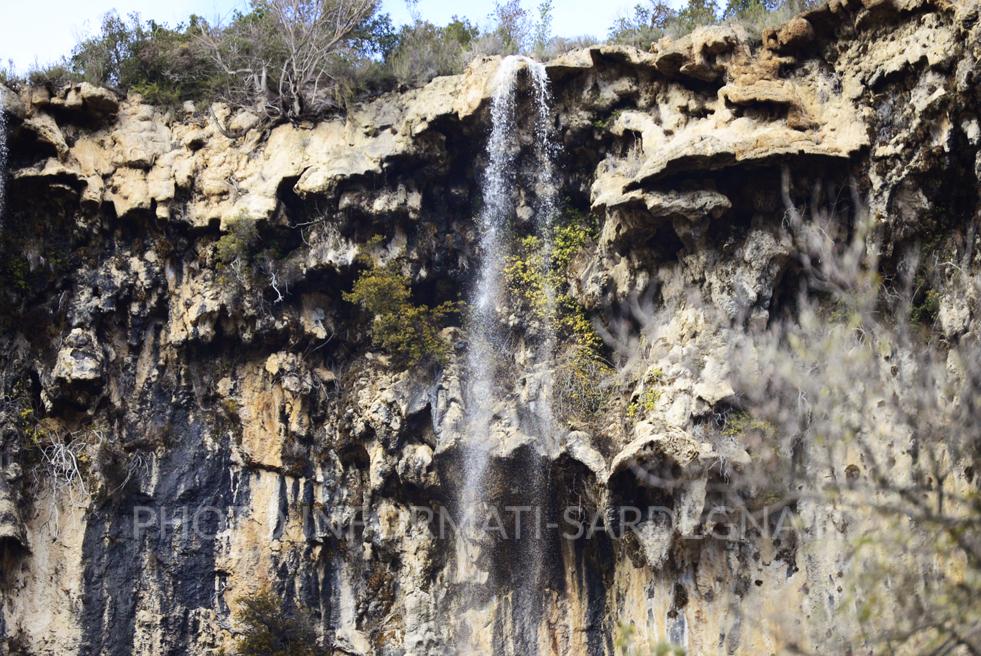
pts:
pixel 488 353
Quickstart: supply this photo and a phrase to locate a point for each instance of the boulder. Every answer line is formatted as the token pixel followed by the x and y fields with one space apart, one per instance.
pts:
pixel 96 104
pixel 791 37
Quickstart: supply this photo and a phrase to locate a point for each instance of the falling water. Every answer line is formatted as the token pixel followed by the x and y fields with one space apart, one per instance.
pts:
pixel 546 191
pixel 528 593
pixel 487 335
pixel 486 339
pixel 3 163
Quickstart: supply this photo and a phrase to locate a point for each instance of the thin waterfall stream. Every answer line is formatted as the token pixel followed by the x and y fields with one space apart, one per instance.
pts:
pixel 546 189
pixel 488 350
pixel 485 333
pixel 3 164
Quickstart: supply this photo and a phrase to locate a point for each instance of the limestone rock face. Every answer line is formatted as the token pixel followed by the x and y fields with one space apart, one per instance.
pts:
pixel 95 103
pixel 11 524
pixel 10 103
pixel 172 312
pixel 80 359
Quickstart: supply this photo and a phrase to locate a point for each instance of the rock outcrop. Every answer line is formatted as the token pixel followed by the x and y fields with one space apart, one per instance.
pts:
pixel 238 430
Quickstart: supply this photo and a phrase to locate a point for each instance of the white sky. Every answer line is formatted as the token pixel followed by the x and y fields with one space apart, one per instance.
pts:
pixel 41 31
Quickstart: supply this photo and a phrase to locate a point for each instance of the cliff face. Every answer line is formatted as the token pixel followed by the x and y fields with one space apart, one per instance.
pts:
pixel 233 427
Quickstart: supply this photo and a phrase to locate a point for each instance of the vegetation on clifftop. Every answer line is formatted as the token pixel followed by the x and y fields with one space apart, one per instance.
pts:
pixel 654 19
pixel 298 59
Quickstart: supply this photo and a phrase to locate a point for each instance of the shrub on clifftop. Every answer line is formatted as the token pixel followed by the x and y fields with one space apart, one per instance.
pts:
pixel 164 65
pixel 301 59
pixel 649 21
pixel 285 58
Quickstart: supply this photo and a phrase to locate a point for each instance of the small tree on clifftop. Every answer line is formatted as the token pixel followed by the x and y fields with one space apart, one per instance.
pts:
pixel 282 59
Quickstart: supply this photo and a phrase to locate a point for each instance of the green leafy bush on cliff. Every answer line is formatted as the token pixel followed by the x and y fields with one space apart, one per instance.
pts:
pixel 424 50
pixel 409 333
pixel 652 20
pixel 582 385
pixel 268 629
pixel 541 290
pixel 650 393
pixel 739 422
pixel 536 279
pixel 165 65
pixel 236 243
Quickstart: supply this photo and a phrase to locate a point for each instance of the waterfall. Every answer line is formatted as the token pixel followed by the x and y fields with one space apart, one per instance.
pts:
pixel 546 192
pixel 485 334
pixel 488 353
pixel 3 164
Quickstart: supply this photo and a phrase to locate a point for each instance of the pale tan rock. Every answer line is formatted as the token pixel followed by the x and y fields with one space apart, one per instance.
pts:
pixel 36 96
pixel 11 525
pixel 94 190
pixel 715 386
pixel 51 585
pixel 924 39
pixel 725 133
pixel 195 138
pixel 243 121
pixel 792 36
pixel 262 431
pixel 92 156
pixel 80 359
pixel 578 445
pixel 194 306
pixel 46 131
pixel 230 178
pixel 10 102
pixel 416 466
pixel 651 443
pixel 313 316
pixel 128 191
pixel 97 102
pixel 161 183
pixel 52 171
pixel 691 205
pixel 139 137
pixel 954 314
pixel 272 409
